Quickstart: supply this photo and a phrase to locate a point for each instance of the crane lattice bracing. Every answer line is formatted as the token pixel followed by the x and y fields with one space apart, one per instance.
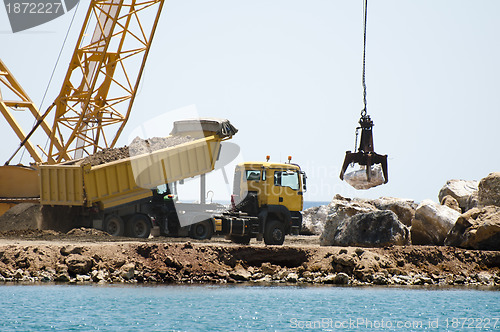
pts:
pixel 19 100
pixel 96 97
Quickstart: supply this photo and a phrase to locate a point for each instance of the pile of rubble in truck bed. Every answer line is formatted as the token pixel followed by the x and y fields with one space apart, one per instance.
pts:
pixel 137 146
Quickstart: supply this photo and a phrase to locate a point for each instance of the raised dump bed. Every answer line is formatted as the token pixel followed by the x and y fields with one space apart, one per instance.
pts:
pixel 131 179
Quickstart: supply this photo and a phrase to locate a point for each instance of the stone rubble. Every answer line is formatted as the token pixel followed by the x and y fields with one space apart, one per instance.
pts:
pixel 430 223
pixel 153 263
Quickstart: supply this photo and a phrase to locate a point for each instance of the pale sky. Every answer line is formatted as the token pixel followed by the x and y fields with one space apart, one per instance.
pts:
pixel 288 76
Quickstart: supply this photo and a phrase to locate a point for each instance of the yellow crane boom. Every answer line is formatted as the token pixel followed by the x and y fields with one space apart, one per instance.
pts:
pixel 96 97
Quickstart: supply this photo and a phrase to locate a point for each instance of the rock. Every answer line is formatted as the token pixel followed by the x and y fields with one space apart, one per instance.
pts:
pixel 268 268
pixel 451 202
pixel 378 228
pixel 19 274
pixel 329 278
pixel 62 277
pixel 484 277
pixel 338 210
pixel 98 275
pixel 489 190
pixel 403 208
pixel 240 273
pixel 127 271
pixel 359 180
pixel 266 279
pixel 367 266
pixel 61 268
pixel 432 223
pixel 461 190
pixel 379 278
pixel 5 272
pixel 422 280
pixel 477 229
pixel 344 262
pixel 341 279
pixel 83 278
pixel 78 264
pixel 173 262
pixel 292 277
pixel 313 220
pixel 68 250
pixel 473 201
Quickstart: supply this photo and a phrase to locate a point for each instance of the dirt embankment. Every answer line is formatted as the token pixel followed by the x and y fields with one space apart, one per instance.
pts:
pixel 92 256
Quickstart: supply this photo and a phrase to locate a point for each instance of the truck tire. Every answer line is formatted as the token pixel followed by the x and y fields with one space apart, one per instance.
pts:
pixel 274 233
pixel 202 230
pixel 114 225
pixel 240 239
pixel 139 226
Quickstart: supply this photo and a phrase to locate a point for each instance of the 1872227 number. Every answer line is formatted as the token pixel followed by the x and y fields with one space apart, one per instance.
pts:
pixel 472 323
pixel 34 8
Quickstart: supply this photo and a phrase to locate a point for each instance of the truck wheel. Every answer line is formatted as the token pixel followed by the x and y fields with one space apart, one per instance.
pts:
pixel 202 230
pixel 139 226
pixel 240 239
pixel 114 225
pixel 275 233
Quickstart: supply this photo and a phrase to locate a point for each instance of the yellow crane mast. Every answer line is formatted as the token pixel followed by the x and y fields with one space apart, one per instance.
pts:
pixel 100 86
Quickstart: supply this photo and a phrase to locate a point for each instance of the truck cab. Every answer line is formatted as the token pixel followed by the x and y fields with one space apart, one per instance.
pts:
pixel 268 198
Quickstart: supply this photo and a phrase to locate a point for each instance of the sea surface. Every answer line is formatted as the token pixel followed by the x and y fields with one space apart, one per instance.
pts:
pixel 246 308
pixel 307 204
pixel 310 204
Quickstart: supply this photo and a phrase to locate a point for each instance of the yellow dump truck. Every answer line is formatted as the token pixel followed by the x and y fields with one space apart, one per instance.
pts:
pixel 122 197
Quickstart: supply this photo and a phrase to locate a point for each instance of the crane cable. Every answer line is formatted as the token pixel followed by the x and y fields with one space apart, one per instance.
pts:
pixel 365 12
pixel 363 80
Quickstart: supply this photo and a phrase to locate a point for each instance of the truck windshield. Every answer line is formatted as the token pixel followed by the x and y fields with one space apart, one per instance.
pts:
pixel 286 179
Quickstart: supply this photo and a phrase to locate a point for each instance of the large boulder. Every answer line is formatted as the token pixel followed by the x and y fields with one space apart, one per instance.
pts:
pixel 432 223
pixel 489 190
pixel 460 190
pixel 313 219
pixel 372 229
pixel 478 228
pixel 403 208
pixel 338 210
pixel 78 264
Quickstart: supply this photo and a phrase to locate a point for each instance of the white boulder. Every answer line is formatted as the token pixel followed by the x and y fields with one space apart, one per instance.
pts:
pixel 359 180
pixel 460 190
pixel 489 190
pixel 432 223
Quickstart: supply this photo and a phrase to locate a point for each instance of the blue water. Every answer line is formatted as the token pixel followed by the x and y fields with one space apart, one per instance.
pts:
pixel 309 204
pixel 245 308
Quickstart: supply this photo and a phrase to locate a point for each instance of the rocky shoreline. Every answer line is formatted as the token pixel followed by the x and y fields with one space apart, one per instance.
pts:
pixel 224 263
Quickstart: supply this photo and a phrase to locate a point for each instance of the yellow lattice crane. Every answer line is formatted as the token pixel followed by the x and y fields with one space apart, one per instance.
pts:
pixel 99 88
pixel 97 94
